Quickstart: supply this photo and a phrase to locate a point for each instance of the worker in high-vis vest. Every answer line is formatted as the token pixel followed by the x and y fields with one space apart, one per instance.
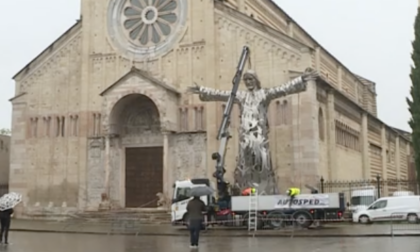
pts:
pixel 248 191
pixel 292 193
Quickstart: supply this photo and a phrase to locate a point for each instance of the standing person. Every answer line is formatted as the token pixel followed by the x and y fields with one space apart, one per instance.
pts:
pixel 292 193
pixel 5 219
pixel 196 209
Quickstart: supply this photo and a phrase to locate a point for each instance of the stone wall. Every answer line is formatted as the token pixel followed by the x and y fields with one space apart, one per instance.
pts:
pixel 95 174
pixel 188 155
pixel 4 160
pixel 43 122
pixel 358 145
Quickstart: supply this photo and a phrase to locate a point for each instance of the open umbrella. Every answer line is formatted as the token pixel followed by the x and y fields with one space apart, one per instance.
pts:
pixel 10 200
pixel 201 191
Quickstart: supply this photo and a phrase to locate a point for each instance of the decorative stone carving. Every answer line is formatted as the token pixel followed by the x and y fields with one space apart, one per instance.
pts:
pixel 139 124
pixel 95 172
pixel 115 168
pixel 254 162
pixel 143 29
pixel 162 201
pixel 140 117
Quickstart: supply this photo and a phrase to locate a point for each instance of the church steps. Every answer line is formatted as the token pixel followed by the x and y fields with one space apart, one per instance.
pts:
pixel 141 216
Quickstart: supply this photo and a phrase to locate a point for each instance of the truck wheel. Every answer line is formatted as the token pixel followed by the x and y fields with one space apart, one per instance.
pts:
pixel 303 219
pixel 260 223
pixel 412 218
pixel 276 220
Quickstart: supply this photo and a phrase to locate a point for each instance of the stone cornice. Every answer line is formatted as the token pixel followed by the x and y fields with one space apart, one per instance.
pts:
pixel 330 88
pixel 144 74
pixel 18 99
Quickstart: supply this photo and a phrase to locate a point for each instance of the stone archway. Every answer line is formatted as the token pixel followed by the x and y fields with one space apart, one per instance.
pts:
pixel 135 121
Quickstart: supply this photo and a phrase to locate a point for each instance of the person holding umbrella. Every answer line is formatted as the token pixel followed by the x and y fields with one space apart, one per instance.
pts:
pixel 5 220
pixel 7 203
pixel 196 209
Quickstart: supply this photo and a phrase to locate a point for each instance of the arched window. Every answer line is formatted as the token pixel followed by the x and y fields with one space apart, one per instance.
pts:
pixel 321 125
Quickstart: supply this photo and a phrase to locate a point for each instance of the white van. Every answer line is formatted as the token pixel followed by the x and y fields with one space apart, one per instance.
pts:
pixel 390 208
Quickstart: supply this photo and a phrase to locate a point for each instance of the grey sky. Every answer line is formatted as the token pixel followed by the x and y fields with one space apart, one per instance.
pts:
pixel 371 37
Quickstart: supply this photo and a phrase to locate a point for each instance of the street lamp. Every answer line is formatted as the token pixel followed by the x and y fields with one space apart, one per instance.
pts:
pixel 378 184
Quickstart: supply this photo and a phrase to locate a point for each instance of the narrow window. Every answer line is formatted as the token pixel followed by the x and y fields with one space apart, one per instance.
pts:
pixel 63 126
pixel 321 125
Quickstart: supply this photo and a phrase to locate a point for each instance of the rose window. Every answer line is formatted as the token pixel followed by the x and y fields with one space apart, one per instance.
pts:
pixel 141 29
pixel 149 21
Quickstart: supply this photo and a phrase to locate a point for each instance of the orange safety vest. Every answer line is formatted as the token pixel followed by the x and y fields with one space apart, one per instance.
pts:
pixel 248 191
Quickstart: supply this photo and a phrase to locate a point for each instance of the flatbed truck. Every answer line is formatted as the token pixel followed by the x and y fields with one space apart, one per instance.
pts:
pixel 273 210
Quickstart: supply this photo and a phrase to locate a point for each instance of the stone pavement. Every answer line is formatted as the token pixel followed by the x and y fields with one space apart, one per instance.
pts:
pixel 52 242
pixel 128 228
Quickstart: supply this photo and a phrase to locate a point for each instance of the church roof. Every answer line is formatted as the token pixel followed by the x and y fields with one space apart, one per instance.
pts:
pixel 370 84
pixel 49 48
pixel 231 12
pixel 403 132
pixel 363 79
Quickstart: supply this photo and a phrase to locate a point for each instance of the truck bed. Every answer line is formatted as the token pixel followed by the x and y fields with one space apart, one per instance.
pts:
pixel 273 202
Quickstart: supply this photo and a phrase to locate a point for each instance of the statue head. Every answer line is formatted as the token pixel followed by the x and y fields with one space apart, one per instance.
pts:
pixel 251 80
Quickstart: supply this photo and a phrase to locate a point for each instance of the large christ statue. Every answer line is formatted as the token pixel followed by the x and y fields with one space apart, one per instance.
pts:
pixel 253 161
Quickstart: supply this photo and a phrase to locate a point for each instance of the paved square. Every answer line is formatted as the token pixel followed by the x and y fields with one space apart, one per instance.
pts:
pixel 50 242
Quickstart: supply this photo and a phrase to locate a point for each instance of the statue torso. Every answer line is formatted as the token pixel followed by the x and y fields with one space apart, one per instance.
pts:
pixel 253 108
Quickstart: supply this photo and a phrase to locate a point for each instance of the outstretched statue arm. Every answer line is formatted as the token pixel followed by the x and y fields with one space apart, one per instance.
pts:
pixel 294 86
pixel 209 94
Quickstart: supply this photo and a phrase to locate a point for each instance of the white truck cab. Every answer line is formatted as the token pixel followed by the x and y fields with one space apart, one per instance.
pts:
pixel 180 197
pixel 390 208
pixel 362 197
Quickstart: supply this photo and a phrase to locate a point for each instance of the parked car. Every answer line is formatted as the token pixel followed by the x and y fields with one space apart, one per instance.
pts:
pixel 390 208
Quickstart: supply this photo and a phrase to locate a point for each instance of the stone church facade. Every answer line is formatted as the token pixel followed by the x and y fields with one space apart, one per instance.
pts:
pixel 4 162
pixel 102 113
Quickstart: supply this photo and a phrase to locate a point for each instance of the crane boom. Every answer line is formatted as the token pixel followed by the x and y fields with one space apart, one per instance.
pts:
pixel 223 133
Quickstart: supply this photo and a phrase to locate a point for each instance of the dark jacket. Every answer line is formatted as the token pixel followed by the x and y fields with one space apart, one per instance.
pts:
pixel 6 213
pixel 195 209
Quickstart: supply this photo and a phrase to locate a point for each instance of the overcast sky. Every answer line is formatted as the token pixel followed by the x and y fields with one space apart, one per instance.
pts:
pixel 371 37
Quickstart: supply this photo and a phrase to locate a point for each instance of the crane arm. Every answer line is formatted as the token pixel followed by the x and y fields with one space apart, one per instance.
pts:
pixel 223 133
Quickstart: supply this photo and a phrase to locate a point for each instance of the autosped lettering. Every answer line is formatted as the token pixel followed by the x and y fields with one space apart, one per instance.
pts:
pixel 299 202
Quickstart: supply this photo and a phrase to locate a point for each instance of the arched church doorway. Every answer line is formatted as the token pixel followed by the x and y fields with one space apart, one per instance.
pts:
pixel 135 119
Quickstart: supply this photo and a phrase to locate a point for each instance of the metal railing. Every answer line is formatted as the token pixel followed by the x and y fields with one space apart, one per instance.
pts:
pixel 400 221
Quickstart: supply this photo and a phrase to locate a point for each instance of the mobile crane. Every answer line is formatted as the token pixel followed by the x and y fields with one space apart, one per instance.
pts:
pixel 223 135
pixel 270 207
